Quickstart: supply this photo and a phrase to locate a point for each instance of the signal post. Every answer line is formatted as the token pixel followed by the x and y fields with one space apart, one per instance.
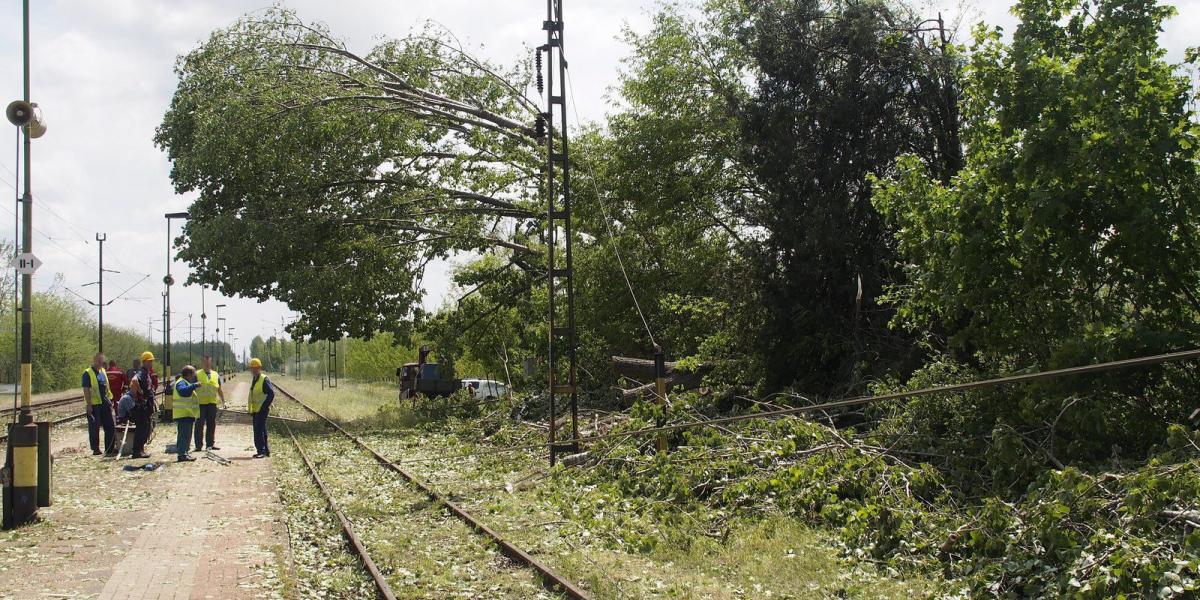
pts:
pixel 26 475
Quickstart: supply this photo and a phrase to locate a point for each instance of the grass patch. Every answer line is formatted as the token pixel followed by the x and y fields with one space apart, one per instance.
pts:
pixel 757 557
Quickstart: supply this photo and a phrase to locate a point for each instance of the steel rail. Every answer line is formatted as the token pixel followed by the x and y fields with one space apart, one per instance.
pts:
pixel 356 543
pixel 550 578
pixel 47 404
pixel 56 422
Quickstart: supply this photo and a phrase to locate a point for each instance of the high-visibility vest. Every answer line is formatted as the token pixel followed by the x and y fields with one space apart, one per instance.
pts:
pixel 184 406
pixel 207 392
pixel 257 394
pixel 97 393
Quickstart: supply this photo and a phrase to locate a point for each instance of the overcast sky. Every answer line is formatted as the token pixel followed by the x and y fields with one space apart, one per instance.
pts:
pixel 102 74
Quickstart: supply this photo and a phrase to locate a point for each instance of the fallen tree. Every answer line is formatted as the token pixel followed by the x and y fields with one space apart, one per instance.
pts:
pixel 641 370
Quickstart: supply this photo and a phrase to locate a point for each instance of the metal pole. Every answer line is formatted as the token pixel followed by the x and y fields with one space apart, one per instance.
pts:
pixel 191 356
pixel 551 227
pixel 169 281
pixel 27 248
pixel 660 392
pixel 217 334
pixel 567 231
pixel 16 291
pixel 163 341
pixel 562 338
pixel 100 237
pixel 25 473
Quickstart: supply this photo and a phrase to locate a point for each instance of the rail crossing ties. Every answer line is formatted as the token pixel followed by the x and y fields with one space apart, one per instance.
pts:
pixel 549 578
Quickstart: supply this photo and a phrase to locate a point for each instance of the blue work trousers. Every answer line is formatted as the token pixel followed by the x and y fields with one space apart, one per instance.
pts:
pixel 183 438
pixel 101 417
pixel 260 429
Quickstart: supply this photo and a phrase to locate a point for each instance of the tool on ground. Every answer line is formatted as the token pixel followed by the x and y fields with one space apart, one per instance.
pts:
pixel 209 454
pixel 152 466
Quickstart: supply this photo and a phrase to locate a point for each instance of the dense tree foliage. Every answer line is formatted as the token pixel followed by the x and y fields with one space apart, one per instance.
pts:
pixel 1074 221
pixel 843 88
pixel 803 195
pixel 64 341
pixel 329 179
pixel 1067 238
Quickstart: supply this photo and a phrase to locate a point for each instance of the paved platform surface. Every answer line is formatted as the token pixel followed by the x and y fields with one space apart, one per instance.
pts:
pixel 188 530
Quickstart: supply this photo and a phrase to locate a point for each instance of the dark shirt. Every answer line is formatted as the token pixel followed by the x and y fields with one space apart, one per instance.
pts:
pixel 101 379
pixel 146 383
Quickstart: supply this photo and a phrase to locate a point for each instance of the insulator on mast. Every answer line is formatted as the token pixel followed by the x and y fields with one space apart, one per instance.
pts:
pixel 537 60
pixel 539 126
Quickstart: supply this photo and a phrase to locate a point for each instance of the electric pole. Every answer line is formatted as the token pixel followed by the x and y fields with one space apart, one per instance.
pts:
pixel 100 237
pixel 203 326
pixel 560 277
pixel 27 467
pixel 27 248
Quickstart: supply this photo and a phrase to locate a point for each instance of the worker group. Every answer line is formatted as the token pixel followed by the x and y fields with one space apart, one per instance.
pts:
pixel 195 395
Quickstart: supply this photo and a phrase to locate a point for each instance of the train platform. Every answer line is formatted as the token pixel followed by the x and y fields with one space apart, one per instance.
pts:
pixel 206 529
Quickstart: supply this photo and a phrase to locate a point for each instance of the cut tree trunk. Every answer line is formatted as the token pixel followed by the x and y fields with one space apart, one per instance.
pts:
pixel 640 369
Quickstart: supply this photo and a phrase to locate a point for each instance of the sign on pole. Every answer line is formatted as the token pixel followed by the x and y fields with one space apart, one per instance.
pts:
pixel 25 263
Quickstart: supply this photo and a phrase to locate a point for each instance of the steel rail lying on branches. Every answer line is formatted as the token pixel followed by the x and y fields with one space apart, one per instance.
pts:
pixel 549 577
pixel 855 401
pixel 356 544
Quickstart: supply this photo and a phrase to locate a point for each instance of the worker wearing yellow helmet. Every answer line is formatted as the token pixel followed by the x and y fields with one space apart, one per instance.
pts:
pixel 262 393
pixel 141 385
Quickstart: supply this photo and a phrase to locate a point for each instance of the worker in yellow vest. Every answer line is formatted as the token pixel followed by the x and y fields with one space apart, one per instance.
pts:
pixel 208 392
pixel 185 410
pixel 97 404
pixel 262 393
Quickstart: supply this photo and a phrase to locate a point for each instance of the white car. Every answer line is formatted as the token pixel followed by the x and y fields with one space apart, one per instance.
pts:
pixel 485 389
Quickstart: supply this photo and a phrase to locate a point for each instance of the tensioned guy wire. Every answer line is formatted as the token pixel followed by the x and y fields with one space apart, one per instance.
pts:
pixel 608 223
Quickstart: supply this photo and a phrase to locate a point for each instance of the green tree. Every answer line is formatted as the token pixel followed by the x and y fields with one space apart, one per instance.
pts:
pixel 1068 238
pixel 258 349
pixel 841 90
pixel 329 179
pixel 662 196
pixel 1071 231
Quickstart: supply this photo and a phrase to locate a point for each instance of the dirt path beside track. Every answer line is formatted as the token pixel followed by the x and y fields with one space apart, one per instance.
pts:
pixel 187 530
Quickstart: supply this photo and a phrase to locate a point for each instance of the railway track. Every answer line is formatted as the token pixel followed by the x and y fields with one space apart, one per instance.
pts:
pixel 44 404
pixel 548 577
pixel 67 419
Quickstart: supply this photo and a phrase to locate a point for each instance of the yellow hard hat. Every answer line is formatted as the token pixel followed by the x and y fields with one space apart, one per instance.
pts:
pixel 254 362
pixel 147 356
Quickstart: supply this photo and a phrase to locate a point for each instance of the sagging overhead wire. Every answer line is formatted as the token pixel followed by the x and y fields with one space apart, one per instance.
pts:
pixel 1141 361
